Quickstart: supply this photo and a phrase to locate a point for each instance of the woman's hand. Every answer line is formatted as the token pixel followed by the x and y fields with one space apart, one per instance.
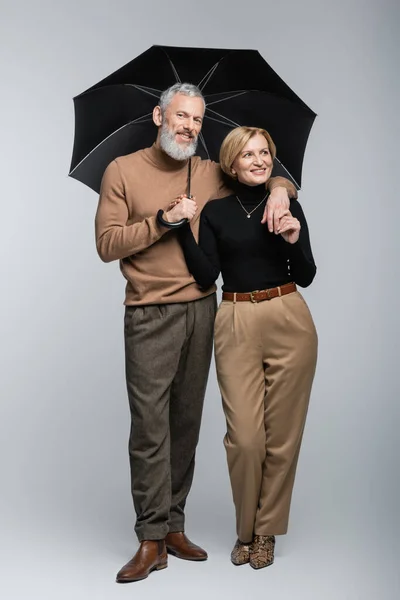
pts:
pixel 289 227
pixel 181 208
pixel 277 204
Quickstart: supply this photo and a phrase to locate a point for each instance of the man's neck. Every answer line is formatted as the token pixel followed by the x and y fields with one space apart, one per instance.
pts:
pixel 162 160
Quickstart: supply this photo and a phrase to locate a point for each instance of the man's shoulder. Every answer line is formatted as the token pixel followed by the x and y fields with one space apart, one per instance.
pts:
pixel 209 174
pixel 122 168
pixel 203 165
pixel 206 165
pixel 130 159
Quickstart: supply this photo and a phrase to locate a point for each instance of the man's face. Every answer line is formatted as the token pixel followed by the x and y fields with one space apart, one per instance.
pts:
pixel 181 125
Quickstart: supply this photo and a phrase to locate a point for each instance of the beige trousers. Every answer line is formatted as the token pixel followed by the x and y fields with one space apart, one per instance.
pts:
pixel 265 357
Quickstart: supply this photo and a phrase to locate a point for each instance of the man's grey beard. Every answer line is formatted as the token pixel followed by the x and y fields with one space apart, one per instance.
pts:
pixel 172 148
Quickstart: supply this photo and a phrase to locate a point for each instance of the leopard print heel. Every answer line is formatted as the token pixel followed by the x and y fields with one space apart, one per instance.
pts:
pixel 262 552
pixel 240 554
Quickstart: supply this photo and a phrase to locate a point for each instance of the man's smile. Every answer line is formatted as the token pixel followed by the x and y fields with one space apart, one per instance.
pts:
pixel 185 136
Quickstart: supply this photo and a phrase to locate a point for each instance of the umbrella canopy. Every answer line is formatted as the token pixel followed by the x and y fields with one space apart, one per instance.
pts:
pixel 114 117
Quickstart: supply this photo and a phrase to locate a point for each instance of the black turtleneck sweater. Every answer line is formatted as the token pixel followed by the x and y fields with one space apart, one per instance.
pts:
pixel 242 249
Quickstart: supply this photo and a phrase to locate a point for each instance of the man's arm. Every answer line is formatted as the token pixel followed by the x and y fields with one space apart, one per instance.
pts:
pixel 280 188
pixel 273 184
pixel 277 182
pixel 114 238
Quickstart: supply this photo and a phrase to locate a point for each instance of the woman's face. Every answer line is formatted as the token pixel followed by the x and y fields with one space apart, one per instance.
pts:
pixel 253 165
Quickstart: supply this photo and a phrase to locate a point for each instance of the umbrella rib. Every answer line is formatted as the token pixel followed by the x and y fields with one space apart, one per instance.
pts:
pixel 222 117
pixel 235 94
pixel 207 76
pixel 142 119
pixel 178 79
pixel 203 141
pixel 148 115
pixel 218 121
pixel 109 136
pixel 288 172
pixel 146 90
pixel 145 87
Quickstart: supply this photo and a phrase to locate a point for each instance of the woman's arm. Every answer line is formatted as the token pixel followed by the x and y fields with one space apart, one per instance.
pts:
pixel 202 259
pixel 302 265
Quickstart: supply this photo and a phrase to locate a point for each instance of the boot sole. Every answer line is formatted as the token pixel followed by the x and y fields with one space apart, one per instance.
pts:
pixel 240 564
pixel 263 567
pixel 197 559
pixel 156 568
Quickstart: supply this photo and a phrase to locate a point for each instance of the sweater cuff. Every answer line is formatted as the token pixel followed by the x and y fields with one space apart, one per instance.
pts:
pixel 167 224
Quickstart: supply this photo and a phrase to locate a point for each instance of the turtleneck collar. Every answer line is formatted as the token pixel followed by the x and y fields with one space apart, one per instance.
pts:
pixel 162 161
pixel 249 194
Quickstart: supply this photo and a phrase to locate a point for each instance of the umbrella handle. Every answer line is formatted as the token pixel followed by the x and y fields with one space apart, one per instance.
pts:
pixel 165 223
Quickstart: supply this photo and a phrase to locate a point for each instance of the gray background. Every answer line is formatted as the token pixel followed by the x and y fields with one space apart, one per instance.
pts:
pixel 66 514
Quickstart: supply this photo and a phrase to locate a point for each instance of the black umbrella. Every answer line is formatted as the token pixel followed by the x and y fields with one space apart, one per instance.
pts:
pixel 114 117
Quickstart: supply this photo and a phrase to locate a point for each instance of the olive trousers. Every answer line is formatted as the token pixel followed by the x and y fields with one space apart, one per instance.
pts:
pixel 168 351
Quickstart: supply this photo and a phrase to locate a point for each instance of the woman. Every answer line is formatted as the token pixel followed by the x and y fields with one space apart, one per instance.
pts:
pixel 265 339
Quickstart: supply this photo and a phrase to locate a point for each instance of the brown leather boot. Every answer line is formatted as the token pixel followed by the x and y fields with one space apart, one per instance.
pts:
pixel 262 551
pixel 179 545
pixel 151 556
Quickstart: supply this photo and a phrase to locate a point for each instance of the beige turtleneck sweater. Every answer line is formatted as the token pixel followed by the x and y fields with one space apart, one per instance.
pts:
pixel 133 189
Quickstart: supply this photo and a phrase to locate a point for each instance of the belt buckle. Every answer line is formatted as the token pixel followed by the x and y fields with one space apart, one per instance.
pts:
pixel 252 299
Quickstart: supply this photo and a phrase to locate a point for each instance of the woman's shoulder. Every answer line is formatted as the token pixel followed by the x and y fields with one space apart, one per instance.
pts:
pixel 216 205
pixel 295 208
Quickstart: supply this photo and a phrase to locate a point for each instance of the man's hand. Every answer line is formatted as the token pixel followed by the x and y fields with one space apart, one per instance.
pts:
pixel 277 204
pixel 181 208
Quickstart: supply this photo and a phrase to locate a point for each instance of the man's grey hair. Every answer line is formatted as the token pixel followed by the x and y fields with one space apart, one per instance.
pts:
pixel 187 89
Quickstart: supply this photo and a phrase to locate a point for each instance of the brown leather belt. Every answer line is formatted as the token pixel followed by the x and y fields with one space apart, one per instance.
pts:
pixel 260 295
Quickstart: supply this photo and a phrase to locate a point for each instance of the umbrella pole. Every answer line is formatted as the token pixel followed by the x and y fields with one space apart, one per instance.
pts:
pixel 160 213
pixel 189 195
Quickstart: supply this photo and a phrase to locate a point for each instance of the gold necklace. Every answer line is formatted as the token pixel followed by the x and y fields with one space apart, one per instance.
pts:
pixel 248 214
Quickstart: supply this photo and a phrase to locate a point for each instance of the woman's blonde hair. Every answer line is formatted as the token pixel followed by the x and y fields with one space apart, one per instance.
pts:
pixel 234 143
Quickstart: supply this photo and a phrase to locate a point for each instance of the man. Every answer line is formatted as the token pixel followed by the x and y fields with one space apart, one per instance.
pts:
pixel 168 318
